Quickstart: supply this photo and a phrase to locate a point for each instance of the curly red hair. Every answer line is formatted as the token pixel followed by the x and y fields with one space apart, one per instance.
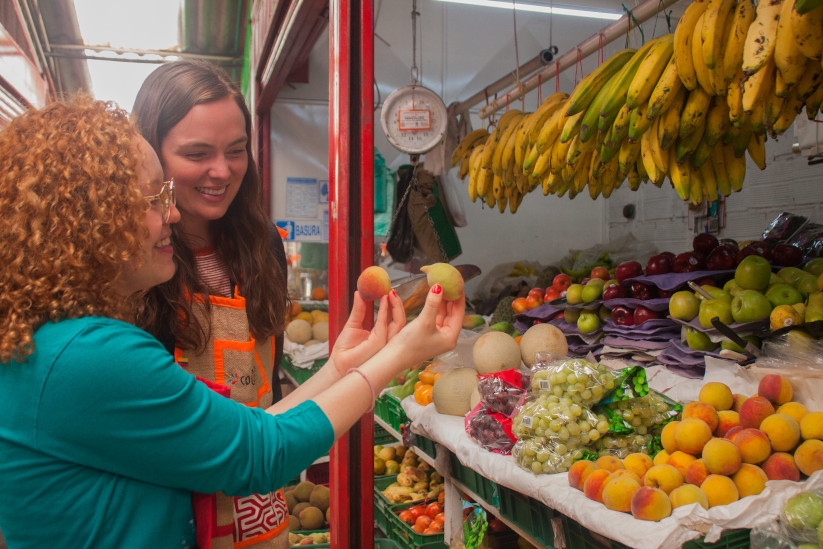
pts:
pixel 73 216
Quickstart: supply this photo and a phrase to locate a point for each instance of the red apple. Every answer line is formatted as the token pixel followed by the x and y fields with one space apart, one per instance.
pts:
pixel 787 255
pixel 561 282
pixel 670 255
pixel 537 292
pixel 658 264
pixel 642 314
pixel 722 258
pixel 551 294
pixel 687 262
pixel 628 269
pixel 600 272
pixel 623 316
pixel 664 293
pixel 614 291
pixel 764 248
pixel 704 243
pixel 643 291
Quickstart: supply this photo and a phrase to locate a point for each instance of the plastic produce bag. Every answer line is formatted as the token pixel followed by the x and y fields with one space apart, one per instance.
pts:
pixel 500 391
pixel 491 430
pixel 621 446
pixel 574 379
pixel 547 456
pixel 801 517
pixel 783 227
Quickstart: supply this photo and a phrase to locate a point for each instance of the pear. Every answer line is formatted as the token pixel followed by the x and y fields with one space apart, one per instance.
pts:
pixel 447 276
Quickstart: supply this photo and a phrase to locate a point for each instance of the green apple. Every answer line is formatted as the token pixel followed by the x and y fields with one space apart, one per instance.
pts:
pixel 753 273
pixel 783 294
pixel 732 346
pixel 731 287
pixel 571 315
pixel 710 308
pixel 574 294
pixel 698 341
pixel 599 281
pixel 815 266
pixel 610 282
pixel 588 322
pixel 790 274
pixel 684 305
pixel 750 306
pixel 717 293
pixel 590 292
pixel 806 285
pixel 814 307
pixel 604 313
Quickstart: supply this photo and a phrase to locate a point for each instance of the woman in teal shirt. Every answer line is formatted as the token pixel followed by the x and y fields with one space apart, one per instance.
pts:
pixel 103 437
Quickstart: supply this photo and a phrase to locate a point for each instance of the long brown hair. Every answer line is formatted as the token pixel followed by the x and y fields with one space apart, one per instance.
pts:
pixel 241 237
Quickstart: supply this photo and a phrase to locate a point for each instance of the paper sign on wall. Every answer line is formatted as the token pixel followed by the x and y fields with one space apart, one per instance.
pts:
pixel 302 197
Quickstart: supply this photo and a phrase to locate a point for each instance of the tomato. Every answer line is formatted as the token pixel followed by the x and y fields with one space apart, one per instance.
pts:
pixel 434 528
pixel 441 497
pixel 534 301
pixel 432 509
pixel 519 305
pixel 497 525
pixel 406 516
pixel 417 511
pixel 561 282
pixel 536 292
pixel 419 529
pixel 551 294
pixel 423 521
pixel 440 517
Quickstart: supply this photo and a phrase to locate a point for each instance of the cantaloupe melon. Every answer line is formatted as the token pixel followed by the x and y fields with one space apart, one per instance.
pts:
pixel 542 337
pixel 299 331
pixel 452 391
pixel 495 351
pixel 320 330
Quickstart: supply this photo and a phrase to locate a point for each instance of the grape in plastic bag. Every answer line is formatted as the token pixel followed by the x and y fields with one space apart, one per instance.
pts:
pixel 801 516
pixel 500 391
pixel 544 456
pixel 582 382
pixel 490 430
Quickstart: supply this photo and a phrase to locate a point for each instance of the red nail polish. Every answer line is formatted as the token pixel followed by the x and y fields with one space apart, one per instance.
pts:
pixel 436 289
pixel 394 293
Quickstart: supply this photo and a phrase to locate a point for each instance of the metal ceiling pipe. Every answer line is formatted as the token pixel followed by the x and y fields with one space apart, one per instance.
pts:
pixel 613 31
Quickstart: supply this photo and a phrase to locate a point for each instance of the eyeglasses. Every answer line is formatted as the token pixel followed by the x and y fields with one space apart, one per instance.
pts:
pixel 166 197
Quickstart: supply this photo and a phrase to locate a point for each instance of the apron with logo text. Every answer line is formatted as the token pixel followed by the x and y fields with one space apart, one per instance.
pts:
pixel 233 360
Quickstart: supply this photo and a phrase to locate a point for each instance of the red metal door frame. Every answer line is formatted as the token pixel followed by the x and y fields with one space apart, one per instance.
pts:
pixel 351 245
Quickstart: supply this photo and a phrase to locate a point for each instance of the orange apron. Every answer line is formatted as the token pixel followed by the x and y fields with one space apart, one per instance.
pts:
pixel 234 360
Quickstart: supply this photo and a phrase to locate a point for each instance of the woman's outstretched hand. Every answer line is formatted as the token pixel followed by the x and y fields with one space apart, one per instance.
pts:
pixel 356 344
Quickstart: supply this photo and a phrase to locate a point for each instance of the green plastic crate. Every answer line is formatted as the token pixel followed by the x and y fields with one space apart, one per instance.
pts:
pixel 531 515
pixel 313 545
pixel 426 445
pixel 477 483
pixel 409 539
pixel 300 375
pixel 382 436
pixel 385 543
pixel 387 407
pixel 580 537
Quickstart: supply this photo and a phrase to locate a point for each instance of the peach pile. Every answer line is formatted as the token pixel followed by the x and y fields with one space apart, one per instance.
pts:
pixel 724 447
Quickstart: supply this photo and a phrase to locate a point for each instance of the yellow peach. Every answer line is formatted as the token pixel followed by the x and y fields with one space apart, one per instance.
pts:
pixel 721 456
pixel 651 504
pixel 680 460
pixel 737 401
pixel 665 477
pixel 697 472
pixel 731 433
pixel 618 492
pixel 753 444
pixel 809 456
pixel 373 283
pixel 717 394
pixel 719 490
pixel 750 480
pixel 754 411
pixel 594 484
pixel 795 410
pixel 686 494
pixel 578 472
pixel 726 420
pixel 627 473
pixel 667 436
pixel 691 434
pixel 702 411
pixel 609 463
pixel 782 430
pixel 811 426
pixel 781 466
pixel 638 463
pixel 660 457
pixel 775 388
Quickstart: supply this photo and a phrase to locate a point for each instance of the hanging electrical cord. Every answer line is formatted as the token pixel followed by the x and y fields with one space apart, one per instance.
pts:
pixel 416 74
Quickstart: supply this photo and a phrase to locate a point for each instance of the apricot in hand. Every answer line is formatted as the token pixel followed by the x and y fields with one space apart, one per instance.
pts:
pixel 447 276
pixel 373 283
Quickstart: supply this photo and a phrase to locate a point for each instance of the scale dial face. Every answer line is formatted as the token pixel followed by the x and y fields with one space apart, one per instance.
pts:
pixel 414 119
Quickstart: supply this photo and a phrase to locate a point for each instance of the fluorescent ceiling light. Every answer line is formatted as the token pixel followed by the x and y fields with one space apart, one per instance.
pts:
pixel 539 8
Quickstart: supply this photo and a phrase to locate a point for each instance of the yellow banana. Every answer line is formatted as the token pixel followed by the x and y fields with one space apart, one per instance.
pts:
pixel 718 161
pixel 610 178
pixel 571 127
pixel 463 171
pixel 685 146
pixel 644 177
pixel 717 121
pixel 733 55
pixel 791 108
pixel 646 156
pixel 467 143
pixel 498 187
pixel 734 98
pixel 639 123
pixel 616 97
pixel 579 149
pixel 521 139
pixel 542 114
pixel 650 70
pixel 701 154
pixel 542 163
pixel 683 36
pixel 756 118
pixel 669 126
pixel 620 128
pixel 627 156
pixel 484 180
pixel 717 73
pixel 712 33
pixel 633 177
pixel 548 183
pixel 508 144
pixel 582 171
pixel 501 203
pixel 474 171
pixel 808 31
pixel 550 132
pixel 585 92
pixel 505 142
pixel 757 84
pixel 757 150
pixel 735 167
pixel 696 187
pixel 773 105
pixel 660 157
pixel 780 87
pixel 558 156
pixel 812 78
pixel 759 46
pixel 813 103
pixel 788 58
pixel 701 71
pixel 694 111
pixel 742 139
pixel 680 176
pixel 709 181
pixel 588 125
pixel 665 90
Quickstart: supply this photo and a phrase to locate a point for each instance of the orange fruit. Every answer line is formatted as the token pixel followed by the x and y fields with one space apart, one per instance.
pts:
pixel 318 294
pixel 294 308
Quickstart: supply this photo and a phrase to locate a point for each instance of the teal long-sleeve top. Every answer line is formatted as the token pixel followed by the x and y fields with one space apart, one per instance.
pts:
pixel 103 438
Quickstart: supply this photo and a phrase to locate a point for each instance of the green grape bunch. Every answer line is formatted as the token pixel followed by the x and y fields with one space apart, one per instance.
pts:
pixel 583 382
